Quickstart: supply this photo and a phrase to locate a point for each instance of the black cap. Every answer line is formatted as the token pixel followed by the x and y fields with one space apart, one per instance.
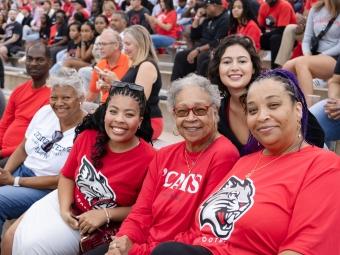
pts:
pixel 81 2
pixel 206 2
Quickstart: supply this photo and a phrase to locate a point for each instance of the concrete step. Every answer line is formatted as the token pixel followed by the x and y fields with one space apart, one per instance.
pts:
pixel 166 79
pixel 14 77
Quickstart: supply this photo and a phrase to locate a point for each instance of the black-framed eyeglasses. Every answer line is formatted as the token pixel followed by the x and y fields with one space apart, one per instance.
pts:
pixel 131 86
pixel 56 137
pixel 198 110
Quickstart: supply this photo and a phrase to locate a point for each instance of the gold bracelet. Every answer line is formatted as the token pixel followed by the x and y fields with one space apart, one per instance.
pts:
pixel 107 216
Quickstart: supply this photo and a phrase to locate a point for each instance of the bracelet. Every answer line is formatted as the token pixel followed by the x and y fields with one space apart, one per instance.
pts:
pixel 16 181
pixel 107 216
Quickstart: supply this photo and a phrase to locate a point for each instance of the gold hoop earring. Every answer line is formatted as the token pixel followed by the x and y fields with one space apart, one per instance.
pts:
pixel 299 128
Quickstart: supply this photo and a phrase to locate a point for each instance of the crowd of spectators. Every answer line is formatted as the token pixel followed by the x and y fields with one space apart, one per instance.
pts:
pixel 76 139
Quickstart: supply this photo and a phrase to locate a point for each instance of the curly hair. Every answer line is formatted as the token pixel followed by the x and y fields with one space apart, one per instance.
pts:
pixel 95 121
pixel 243 41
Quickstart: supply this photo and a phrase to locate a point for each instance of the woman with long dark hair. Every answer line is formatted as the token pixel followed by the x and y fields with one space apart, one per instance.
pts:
pixel 234 66
pixel 244 22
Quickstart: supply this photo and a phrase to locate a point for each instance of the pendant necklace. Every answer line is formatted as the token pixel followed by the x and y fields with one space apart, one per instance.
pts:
pixel 255 169
pixel 193 163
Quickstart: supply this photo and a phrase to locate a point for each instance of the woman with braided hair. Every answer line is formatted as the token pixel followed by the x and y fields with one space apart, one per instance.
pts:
pixel 101 178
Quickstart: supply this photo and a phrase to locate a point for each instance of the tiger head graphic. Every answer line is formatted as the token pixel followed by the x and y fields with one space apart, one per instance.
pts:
pixel 226 206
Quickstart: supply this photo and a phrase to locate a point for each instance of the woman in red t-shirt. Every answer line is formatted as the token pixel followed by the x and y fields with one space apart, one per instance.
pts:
pixel 244 22
pixel 164 25
pixel 100 180
pixel 281 200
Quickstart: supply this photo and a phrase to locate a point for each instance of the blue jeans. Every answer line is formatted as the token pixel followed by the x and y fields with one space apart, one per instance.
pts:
pixel 162 41
pixel 330 127
pixel 14 201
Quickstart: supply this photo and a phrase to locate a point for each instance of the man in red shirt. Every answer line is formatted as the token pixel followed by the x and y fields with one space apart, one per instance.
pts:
pixel 273 17
pixel 25 100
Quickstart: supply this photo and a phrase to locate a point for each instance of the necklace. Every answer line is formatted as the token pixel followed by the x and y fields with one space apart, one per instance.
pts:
pixel 255 169
pixel 193 163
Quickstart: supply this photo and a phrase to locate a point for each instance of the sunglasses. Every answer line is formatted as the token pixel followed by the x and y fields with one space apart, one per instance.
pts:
pixel 199 110
pixel 57 136
pixel 131 86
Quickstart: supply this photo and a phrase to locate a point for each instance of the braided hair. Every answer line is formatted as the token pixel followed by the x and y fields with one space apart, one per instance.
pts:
pixel 291 85
pixel 95 121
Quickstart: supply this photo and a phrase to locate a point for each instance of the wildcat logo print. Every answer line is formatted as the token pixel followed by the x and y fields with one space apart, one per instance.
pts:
pixel 94 185
pixel 226 206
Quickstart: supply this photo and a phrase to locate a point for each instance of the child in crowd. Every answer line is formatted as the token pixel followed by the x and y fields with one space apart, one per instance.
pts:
pixel 70 52
pixel 83 55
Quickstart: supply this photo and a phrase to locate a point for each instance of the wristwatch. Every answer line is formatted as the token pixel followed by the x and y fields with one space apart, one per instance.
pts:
pixel 16 181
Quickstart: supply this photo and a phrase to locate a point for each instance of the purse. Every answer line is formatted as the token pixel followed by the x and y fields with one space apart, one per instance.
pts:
pixel 100 236
pixel 314 41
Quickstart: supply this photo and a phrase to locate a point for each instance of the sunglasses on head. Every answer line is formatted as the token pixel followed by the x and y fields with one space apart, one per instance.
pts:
pixel 198 110
pixel 57 136
pixel 131 86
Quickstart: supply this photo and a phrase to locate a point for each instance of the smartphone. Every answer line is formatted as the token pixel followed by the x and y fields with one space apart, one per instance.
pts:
pixel 98 70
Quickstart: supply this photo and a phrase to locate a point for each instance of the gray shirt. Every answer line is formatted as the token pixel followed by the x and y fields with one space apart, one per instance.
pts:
pixel 317 20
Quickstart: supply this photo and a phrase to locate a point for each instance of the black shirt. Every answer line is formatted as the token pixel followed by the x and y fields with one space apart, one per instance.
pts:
pixel 138 18
pixel 211 31
pixel 152 102
pixel 11 29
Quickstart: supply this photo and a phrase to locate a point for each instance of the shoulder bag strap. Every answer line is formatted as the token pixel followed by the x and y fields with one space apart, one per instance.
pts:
pixel 324 31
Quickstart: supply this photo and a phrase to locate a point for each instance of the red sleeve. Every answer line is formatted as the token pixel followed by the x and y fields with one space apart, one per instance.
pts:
pixel 7 117
pixel 315 223
pixel 136 225
pixel 262 14
pixel 70 167
pixel 171 19
pixel 254 32
pixel 8 151
pixel 287 16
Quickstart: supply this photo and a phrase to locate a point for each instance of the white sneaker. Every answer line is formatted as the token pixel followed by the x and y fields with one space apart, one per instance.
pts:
pixel 319 83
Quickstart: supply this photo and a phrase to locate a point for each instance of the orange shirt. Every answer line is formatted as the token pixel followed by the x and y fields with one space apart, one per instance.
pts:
pixel 119 69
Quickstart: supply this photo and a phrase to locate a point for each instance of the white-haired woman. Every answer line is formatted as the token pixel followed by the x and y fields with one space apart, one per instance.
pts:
pixel 33 169
pixel 181 175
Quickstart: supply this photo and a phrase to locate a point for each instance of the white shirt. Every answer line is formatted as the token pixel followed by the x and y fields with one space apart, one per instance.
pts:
pixel 40 131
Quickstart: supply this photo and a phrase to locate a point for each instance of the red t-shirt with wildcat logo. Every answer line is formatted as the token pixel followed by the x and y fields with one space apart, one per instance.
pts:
pixel 116 183
pixel 288 203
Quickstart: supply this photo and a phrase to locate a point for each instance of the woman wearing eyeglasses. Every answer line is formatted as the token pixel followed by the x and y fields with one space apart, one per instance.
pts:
pixel 33 169
pixel 283 199
pixel 99 182
pixel 181 175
